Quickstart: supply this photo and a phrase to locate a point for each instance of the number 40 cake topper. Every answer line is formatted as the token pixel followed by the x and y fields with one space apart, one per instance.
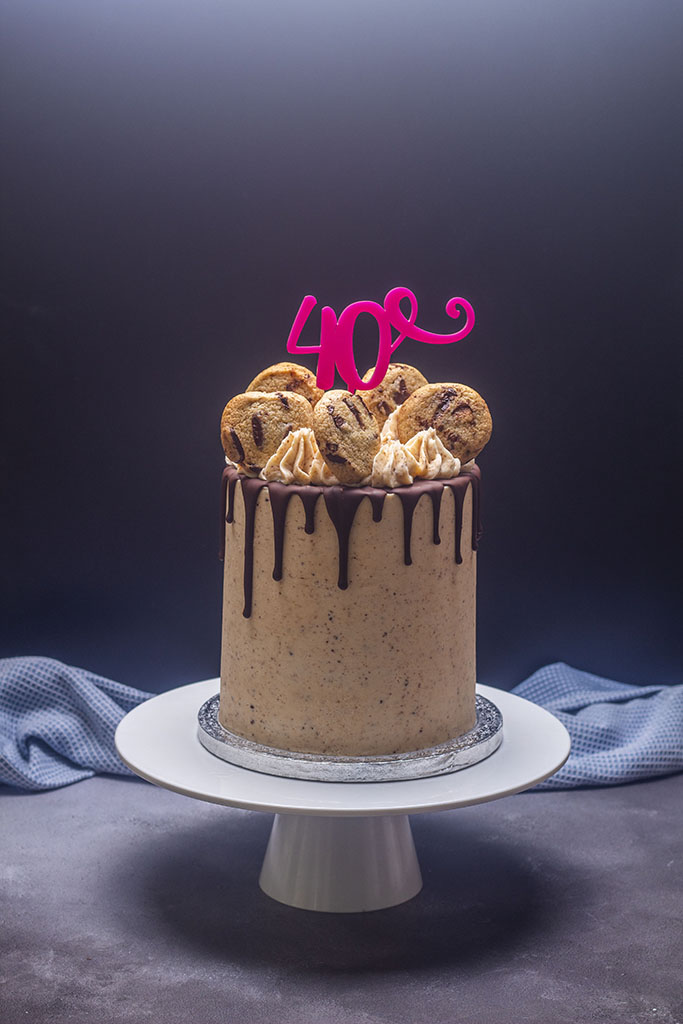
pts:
pixel 336 335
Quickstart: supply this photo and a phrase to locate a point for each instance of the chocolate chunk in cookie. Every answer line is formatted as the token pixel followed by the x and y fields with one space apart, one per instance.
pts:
pixel 459 415
pixel 399 382
pixel 254 424
pixel 347 433
pixel 287 377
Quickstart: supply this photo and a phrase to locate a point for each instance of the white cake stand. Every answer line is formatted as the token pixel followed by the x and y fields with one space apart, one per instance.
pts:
pixel 335 846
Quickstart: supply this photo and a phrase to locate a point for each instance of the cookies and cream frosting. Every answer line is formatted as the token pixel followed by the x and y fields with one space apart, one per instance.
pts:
pixel 432 458
pixel 393 466
pixel 298 461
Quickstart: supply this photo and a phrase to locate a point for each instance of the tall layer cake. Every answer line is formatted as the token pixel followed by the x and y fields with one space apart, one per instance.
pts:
pixel 349 607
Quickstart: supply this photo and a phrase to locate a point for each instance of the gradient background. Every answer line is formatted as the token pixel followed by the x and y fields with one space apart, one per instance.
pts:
pixel 176 176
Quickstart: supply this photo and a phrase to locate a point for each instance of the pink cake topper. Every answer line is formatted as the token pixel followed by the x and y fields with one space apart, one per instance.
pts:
pixel 336 335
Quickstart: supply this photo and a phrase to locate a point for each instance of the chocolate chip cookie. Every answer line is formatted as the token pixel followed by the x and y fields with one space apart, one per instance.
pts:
pixel 459 415
pixel 347 434
pixel 254 424
pixel 287 377
pixel 399 382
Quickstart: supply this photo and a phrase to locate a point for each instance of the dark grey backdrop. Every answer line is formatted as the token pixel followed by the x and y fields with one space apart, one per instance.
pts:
pixel 177 175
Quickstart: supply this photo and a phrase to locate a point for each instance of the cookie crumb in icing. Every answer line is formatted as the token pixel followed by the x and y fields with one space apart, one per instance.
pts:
pixel 393 466
pixel 298 460
pixel 432 459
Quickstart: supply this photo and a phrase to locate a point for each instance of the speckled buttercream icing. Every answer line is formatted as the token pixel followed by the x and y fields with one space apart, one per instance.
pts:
pixel 349 619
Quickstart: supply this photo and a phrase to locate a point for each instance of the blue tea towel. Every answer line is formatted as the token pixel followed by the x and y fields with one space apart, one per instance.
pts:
pixel 57 723
pixel 619 733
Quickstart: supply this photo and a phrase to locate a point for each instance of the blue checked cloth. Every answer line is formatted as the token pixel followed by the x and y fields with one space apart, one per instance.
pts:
pixel 619 733
pixel 57 724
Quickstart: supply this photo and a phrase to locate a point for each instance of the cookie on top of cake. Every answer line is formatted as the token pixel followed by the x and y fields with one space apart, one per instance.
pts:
pixel 284 428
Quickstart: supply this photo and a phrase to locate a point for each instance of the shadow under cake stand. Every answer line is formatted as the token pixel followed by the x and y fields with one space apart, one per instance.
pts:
pixel 335 846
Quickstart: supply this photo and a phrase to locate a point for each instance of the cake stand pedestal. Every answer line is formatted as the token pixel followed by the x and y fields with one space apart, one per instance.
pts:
pixel 341 864
pixel 335 846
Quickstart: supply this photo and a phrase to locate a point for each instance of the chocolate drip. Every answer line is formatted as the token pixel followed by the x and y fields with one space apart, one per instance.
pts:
pixel 342 504
pixel 436 497
pixel 409 499
pixel 280 496
pixel 251 487
pixel 309 499
pixel 341 512
pixel 230 514
pixel 458 491
pixel 225 479
pixel 278 506
pixel 228 484
pixel 377 501
pixel 476 506
pixel 458 488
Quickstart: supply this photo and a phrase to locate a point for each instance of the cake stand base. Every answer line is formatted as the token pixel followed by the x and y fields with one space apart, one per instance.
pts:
pixel 335 846
pixel 343 865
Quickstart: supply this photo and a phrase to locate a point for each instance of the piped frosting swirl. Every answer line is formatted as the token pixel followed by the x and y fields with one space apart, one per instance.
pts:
pixel 393 466
pixel 298 461
pixel 431 457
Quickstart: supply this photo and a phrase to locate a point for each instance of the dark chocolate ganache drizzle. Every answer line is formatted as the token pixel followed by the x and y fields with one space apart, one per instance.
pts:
pixel 342 504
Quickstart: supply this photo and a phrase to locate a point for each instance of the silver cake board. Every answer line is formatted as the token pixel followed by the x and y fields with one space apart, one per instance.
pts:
pixel 453 755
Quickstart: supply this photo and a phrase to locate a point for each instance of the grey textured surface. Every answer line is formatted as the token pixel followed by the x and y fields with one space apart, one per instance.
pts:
pixel 123 902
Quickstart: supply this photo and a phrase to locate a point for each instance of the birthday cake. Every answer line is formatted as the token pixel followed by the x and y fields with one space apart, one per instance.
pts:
pixel 351 523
